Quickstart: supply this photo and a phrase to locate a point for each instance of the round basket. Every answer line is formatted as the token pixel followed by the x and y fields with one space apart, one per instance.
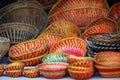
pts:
pixel 70 46
pixel 108 58
pixel 4 46
pixel 15 66
pixel 56 57
pixel 28 49
pixel 51 38
pixel 31 61
pixel 18 32
pixel 64 28
pixel 1 69
pixel 31 72
pixel 62 5
pixel 15 73
pixel 36 17
pixel 80 16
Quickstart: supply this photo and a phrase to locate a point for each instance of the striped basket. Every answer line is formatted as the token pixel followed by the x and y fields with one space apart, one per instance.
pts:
pixel 15 73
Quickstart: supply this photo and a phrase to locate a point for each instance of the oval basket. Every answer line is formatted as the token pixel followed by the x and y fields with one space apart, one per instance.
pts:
pixel 16 73
pixel 28 49
pixel 18 32
pixel 70 46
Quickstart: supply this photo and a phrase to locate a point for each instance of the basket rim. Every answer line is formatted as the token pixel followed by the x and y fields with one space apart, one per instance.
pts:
pixel 30 70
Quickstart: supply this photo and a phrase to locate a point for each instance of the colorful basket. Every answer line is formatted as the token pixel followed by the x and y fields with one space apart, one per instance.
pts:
pixel 18 32
pixel 28 49
pixel 4 46
pixel 15 66
pixel 62 5
pixel 1 69
pixel 31 72
pixel 64 28
pixel 70 46
pixel 16 73
pixel 108 58
pixel 31 61
pixel 72 59
pixel 51 38
pixel 55 57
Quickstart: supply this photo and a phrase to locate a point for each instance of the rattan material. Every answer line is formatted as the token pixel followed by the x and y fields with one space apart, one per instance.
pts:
pixel 18 32
pixel 1 69
pixel 30 15
pixel 4 46
pixel 28 49
pixel 16 73
pixel 64 28
pixel 70 46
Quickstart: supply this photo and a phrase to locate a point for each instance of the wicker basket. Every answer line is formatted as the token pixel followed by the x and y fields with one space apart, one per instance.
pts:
pixel 81 16
pixel 18 32
pixel 4 46
pixel 108 58
pixel 56 57
pixel 31 61
pixel 64 28
pixel 29 15
pixel 70 46
pixel 62 5
pixel 1 69
pixel 16 73
pixel 31 72
pixel 51 38
pixel 28 49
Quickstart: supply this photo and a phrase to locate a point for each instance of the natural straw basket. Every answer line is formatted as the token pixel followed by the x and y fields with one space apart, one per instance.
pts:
pixel 14 73
pixel 28 49
pixel 70 46
pixel 18 32
pixel 1 69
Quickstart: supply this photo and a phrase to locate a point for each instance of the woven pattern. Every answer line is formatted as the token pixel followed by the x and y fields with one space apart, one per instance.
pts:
pixel 13 73
pixel 1 69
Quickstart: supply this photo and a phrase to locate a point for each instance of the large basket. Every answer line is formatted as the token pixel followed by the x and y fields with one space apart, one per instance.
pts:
pixel 18 32
pixel 62 5
pixel 4 46
pixel 29 15
pixel 70 46
pixel 81 16
pixel 64 28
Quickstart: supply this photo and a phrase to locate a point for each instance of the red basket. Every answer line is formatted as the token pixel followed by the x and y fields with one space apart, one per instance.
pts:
pixel 70 46
pixel 16 73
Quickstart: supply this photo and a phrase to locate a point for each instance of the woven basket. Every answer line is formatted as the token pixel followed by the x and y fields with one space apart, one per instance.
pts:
pixel 16 73
pixel 62 5
pixel 72 59
pixel 108 58
pixel 18 32
pixel 114 11
pixel 31 72
pixel 70 46
pixel 81 16
pixel 56 57
pixel 28 49
pixel 4 46
pixel 51 38
pixel 15 66
pixel 64 28
pixel 31 61
pixel 1 72
pixel 1 69
pixel 29 15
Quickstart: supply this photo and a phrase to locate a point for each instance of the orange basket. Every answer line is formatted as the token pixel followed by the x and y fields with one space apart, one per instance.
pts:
pixel 1 69
pixel 15 73
pixel 108 58
pixel 31 72
pixel 28 49
pixel 70 46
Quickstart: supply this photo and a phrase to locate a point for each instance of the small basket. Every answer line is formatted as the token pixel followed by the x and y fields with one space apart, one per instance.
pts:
pixel 28 49
pixel 31 61
pixel 63 28
pixel 15 73
pixel 51 38
pixel 18 32
pixel 108 58
pixel 1 69
pixel 72 59
pixel 55 57
pixel 31 72
pixel 70 46
pixel 1 72
pixel 15 66
pixel 79 16
pixel 4 46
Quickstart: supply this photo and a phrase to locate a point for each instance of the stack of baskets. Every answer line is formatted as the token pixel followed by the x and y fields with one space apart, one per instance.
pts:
pixel 80 12
pixel 108 63
pixel 21 21
pixel 103 42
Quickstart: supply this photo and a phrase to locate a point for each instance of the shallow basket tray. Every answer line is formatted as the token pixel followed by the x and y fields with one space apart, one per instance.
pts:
pixel 18 32
pixel 14 73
